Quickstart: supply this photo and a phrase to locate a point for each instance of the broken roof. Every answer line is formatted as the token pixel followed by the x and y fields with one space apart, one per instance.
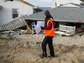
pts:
pixel 61 14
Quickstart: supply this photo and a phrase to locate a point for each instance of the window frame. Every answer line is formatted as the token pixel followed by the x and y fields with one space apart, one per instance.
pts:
pixel 14 13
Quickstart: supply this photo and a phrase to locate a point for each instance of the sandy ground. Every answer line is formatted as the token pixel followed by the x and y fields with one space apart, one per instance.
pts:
pixel 27 49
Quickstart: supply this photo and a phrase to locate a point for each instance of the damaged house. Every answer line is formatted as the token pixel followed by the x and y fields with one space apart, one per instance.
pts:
pixel 12 14
pixel 12 9
pixel 63 15
pixel 67 17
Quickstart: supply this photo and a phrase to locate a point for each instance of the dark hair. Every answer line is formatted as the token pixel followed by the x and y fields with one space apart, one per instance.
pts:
pixel 47 18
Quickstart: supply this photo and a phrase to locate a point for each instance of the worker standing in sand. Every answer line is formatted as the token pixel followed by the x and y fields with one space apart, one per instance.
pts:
pixel 49 34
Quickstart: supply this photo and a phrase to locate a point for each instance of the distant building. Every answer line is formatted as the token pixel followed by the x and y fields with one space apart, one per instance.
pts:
pixel 56 3
pixel 10 9
pixel 82 2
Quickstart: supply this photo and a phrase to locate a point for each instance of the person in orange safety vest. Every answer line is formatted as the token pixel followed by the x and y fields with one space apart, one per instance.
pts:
pixel 49 34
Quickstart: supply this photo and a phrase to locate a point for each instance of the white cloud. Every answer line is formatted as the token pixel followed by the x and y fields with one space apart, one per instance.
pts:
pixel 46 1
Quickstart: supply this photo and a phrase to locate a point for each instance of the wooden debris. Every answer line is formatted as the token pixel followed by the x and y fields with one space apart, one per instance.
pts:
pixel 29 30
pixel 78 30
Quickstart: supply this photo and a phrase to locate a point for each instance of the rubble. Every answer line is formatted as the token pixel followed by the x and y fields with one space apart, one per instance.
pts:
pixel 8 33
pixel 0 33
pixel 21 32
pixel 78 30
pixel 15 24
pixel 18 32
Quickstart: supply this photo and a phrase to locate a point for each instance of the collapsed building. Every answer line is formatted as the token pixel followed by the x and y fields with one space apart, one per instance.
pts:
pixel 63 15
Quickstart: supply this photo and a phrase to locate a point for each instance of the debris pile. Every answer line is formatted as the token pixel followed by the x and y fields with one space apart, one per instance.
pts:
pixel 10 33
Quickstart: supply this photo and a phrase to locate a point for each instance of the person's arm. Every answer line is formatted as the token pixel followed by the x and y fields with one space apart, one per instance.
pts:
pixel 49 27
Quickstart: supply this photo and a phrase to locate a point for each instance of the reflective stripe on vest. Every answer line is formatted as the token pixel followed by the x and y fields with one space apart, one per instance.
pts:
pixel 52 28
pixel 50 32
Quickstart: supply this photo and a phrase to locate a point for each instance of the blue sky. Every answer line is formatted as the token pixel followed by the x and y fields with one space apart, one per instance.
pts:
pixel 41 3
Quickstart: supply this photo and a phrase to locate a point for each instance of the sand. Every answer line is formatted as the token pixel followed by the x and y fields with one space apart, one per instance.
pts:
pixel 27 49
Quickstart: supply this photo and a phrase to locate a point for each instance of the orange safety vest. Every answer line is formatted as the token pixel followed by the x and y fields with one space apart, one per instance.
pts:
pixel 51 32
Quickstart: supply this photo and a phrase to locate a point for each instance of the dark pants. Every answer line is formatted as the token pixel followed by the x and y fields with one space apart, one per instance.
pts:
pixel 47 40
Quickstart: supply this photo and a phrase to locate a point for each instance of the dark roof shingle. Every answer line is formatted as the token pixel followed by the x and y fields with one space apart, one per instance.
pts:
pixel 63 14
